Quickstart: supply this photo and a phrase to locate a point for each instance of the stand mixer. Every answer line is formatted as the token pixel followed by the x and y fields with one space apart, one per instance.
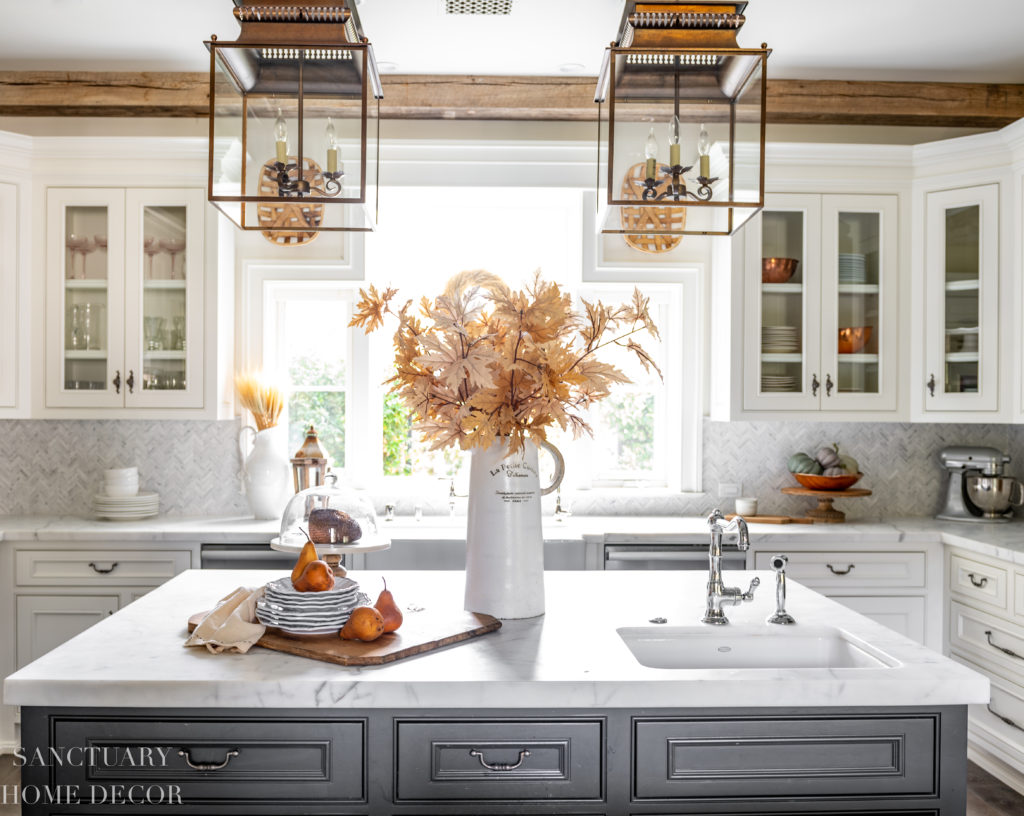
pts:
pixel 977 489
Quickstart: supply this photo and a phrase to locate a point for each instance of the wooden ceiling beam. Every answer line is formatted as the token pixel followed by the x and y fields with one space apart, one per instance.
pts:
pixel 526 98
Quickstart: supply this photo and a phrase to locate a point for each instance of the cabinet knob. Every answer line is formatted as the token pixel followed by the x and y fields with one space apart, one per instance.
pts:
pixel 931 385
pixel 828 385
pixel 130 382
pixel 815 385
pixel 117 382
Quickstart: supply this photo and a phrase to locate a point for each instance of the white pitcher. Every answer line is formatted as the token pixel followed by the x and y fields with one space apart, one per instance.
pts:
pixel 266 471
pixel 504 539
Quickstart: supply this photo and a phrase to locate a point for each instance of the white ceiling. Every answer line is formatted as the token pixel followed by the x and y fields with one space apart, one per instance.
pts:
pixel 914 40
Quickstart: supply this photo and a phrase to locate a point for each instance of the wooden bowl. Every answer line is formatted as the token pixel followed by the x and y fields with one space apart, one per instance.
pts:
pixel 777 270
pixel 853 339
pixel 812 482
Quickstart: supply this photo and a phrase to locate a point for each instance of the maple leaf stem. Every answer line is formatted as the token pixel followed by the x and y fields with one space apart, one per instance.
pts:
pixel 590 351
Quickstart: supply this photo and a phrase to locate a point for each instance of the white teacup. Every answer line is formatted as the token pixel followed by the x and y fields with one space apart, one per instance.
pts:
pixel 121 474
pixel 746 506
pixel 121 490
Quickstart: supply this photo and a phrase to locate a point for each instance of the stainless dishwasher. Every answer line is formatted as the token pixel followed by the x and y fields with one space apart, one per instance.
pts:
pixel 244 556
pixel 668 557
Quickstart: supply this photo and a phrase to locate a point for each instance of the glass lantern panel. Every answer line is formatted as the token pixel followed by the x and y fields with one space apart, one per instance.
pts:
pixel 962 298
pixel 164 301
pixel 859 292
pixel 782 302
pixel 86 277
pixel 747 166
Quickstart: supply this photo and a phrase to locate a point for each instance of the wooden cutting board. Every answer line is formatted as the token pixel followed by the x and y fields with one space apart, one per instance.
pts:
pixel 422 631
pixel 772 519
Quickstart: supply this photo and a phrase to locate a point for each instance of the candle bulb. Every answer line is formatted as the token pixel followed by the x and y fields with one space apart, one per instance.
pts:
pixel 651 152
pixel 281 137
pixel 704 149
pixel 331 136
pixel 673 142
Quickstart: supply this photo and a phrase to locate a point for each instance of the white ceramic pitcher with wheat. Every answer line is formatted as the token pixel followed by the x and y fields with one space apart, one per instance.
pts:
pixel 266 470
pixel 504 539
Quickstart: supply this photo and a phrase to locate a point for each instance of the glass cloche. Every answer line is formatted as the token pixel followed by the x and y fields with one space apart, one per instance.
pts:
pixel 332 515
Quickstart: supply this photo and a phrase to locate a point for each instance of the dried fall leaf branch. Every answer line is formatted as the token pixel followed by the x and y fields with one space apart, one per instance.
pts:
pixel 490 362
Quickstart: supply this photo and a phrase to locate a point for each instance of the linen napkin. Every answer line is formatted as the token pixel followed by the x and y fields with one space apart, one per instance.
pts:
pixel 231 625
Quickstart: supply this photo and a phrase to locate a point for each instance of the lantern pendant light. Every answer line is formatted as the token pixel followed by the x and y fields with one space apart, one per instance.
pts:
pixel 675 74
pixel 289 99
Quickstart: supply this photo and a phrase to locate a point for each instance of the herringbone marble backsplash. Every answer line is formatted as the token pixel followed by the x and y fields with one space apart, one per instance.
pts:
pixel 55 466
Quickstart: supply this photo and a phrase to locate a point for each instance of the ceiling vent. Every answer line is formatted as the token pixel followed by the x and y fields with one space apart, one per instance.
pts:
pixel 478 7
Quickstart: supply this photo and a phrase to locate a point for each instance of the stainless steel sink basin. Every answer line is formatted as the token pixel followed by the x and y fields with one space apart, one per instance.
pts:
pixel 761 647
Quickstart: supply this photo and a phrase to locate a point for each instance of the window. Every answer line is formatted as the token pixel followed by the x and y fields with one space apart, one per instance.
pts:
pixel 647 434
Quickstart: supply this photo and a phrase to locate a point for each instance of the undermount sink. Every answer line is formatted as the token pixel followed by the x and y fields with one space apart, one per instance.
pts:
pixel 768 647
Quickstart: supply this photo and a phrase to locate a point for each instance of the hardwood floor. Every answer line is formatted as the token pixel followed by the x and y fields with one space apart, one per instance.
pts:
pixel 986 795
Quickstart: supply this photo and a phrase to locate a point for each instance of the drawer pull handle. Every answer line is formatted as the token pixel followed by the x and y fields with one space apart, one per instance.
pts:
pixel 1006 720
pixel 1010 652
pixel 107 571
pixel 978 582
pixel 499 766
pixel 206 766
pixel 835 571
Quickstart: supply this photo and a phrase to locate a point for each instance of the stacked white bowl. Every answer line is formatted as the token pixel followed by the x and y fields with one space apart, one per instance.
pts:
pixel 121 481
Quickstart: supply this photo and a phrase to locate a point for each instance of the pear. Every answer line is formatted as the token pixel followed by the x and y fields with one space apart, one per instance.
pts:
pixel 316 577
pixel 388 609
pixel 306 557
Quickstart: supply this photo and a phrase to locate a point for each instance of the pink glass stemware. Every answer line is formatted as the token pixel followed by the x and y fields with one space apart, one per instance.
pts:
pixel 151 247
pixel 173 247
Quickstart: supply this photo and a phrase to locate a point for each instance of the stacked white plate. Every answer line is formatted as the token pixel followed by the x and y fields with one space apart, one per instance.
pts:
pixel 126 508
pixel 779 339
pixel 308 613
pixel 852 268
pixel 775 383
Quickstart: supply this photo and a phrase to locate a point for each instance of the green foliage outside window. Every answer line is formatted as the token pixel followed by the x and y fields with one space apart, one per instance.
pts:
pixel 397 437
pixel 325 410
pixel 631 415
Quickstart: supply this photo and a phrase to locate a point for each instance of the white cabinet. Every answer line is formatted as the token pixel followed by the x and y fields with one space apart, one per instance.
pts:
pixel 820 298
pixel 124 298
pixel 986 632
pixel 9 220
pixel 888 586
pixel 47 621
pixel 961 300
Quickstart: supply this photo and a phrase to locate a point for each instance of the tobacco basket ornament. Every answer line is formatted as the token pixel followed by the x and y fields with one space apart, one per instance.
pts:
pixel 654 218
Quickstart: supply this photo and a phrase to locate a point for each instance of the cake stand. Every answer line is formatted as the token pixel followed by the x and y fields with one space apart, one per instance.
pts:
pixel 332 553
pixel 825 512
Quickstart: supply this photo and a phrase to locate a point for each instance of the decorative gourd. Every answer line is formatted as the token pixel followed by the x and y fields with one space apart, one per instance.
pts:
pixel 802 463
pixel 835 471
pixel 827 457
pixel 847 462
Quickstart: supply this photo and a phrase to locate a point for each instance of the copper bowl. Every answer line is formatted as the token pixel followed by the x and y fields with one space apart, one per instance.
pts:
pixel 777 270
pixel 853 339
pixel 812 482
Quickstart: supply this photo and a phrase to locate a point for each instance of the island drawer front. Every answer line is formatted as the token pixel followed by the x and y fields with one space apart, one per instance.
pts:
pixel 739 758
pixel 98 567
pixel 837 568
pixel 499 760
pixel 276 760
pixel 994 642
pixel 977 581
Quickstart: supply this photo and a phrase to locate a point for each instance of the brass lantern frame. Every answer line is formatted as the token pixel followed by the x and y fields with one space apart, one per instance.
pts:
pixel 668 52
pixel 268 61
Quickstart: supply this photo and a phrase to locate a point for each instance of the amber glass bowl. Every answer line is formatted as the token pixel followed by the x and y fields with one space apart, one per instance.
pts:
pixel 809 480
pixel 853 339
pixel 777 270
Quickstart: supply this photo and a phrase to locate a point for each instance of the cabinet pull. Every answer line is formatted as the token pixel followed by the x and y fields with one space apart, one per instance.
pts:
pixel 828 385
pixel 107 571
pixel 117 381
pixel 130 382
pixel 835 571
pixel 931 385
pixel 1005 651
pixel 815 385
pixel 999 716
pixel 206 766
pixel 978 582
pixel 499 766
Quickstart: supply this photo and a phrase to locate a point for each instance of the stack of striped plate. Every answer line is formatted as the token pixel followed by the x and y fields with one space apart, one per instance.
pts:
pixel 308 613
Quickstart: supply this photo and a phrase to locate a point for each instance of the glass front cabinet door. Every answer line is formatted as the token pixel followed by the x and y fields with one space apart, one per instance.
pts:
pixel 961 300
pixel 821 286
pixel 124 298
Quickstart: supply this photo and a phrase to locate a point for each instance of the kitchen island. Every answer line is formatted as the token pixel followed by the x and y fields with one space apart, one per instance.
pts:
pixel 548 715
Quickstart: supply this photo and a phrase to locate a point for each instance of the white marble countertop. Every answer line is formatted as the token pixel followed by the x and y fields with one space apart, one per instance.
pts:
pixel 570 657
pixel 1004 541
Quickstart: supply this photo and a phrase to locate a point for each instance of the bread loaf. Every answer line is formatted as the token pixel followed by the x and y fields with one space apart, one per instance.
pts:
pixel 323 520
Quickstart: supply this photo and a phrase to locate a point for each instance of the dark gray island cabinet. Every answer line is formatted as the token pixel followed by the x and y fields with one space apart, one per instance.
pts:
pixel 542 717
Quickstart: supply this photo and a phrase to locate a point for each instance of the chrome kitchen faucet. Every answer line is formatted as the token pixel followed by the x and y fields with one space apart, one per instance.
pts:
pixel 718 593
